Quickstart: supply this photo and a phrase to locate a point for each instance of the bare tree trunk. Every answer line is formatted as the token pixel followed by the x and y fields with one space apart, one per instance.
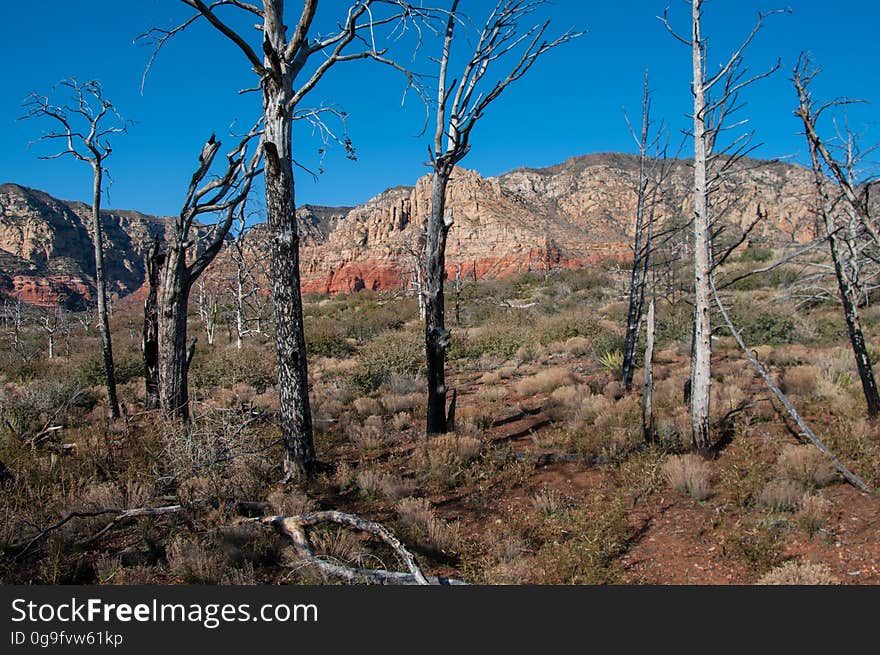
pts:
pixel 150 345
pixel 101 287
pixel 640 256
pixel 700 376
pixel 849 294
pixel 436 335
pixel 648 386
pixel 296 414
pixel 172 335
pixel 854 329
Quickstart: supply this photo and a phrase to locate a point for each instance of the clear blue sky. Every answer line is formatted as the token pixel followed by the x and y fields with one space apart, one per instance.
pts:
pixel 569 104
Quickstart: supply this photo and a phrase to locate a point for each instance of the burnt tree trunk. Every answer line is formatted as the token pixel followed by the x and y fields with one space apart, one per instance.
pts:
pixel 436 334
pixel 150 345
pixel 293 374
pixel 101 288
pixel 173 367
pixel 854 328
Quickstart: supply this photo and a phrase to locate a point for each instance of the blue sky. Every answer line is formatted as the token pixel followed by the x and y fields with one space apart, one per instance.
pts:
pixel 569 104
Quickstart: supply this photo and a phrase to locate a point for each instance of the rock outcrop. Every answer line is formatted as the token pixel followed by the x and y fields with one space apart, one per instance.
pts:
pixel 569 215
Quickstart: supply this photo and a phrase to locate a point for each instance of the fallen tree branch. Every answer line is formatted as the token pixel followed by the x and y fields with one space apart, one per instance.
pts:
pixel 851 477
pixel 295 528
pixel 121 514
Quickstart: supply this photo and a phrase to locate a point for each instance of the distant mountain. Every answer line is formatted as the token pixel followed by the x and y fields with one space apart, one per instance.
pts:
pixel 571 214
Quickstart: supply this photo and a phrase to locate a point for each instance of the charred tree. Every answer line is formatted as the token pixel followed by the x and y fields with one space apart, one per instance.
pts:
pixel 288 67
pixel 150 341
pixel 833 192
pixel 220 195
pixel 460 104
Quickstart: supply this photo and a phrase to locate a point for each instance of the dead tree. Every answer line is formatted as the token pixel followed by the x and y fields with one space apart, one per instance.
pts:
pixel 648 384
pixel 836 205
pixel 460 104
pixel 86 127
pixel 653 170
pixel 209 308
pixel 715 98
pixel 806 432
pixel 150 343
pixel 50 322
pixel 208 194
pixel 288 66
pixel 244 289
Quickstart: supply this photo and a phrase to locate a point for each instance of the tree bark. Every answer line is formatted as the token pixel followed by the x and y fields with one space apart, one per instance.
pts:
pixel 436 335
pixel 641 253
pixel 296 415
pixel 172 334
pixel 101 288
pixel 150 345
pixel 648 387
pixel 854 329
pixel 700 371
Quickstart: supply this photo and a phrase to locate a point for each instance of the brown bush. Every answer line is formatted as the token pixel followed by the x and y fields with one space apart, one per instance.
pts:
pixel 798 573
pixel 781 495
pixel 801 380
pixel 420 522
pixel 813 512
pixel 806 464
pixel 545 381
pixel 383 485
pixel 689 474
pixel 442 457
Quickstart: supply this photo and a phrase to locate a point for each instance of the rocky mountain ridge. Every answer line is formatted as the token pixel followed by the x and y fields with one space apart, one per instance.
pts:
pixel 568 215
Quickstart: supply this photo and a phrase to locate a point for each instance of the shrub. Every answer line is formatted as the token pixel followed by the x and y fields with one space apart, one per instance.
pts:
pixel 194 562
pixel 814 510
pixel 383 485
pixel 781 495
pixel 324 338
pixel 545 381
pixel 799 573
pixel 421 523
pixel 800 380
pixel 689 474
pixel 389 354
pixel 443 457
pixel 806 464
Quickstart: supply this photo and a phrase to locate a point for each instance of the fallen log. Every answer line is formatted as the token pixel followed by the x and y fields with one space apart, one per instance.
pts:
pixel 295 528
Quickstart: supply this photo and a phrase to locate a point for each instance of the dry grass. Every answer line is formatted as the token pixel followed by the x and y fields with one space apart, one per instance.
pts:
pixel 194 563
pixel 807 465
pixel 799 573
pixel 801 380
pixel 443 457
pixel 367 406
pixel 545 381
pixel 813 513
pixel 781 495
pixel 383 485
pixel 290 502
pixel 419 521
pixel 689 474
pixel 398 403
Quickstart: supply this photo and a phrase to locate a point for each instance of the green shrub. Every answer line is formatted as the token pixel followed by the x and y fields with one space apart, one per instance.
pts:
pixel 392 353
pixel 324 339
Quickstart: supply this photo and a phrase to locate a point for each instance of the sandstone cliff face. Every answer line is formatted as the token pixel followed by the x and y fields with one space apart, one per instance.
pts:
pixel 575 213
pixel 568 215
pixel 47 248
